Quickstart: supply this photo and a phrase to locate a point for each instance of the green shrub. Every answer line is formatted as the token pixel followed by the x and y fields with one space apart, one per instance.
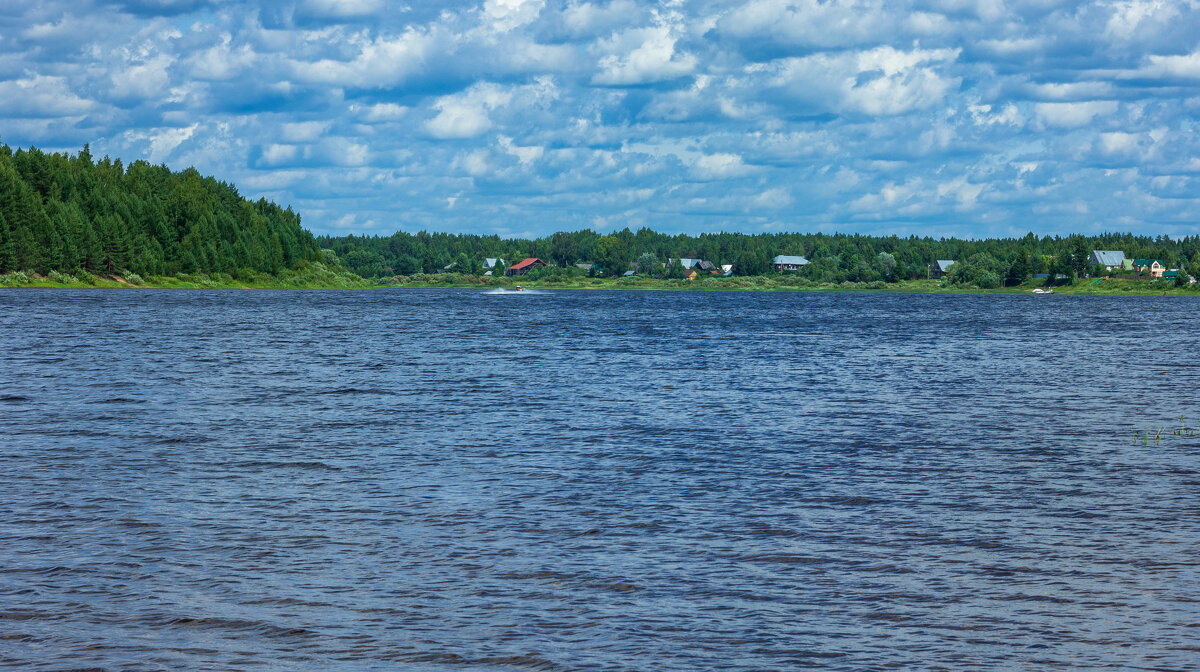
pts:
pixel 988 280
pixel 15 279
pixel 133 278
pixel 62 278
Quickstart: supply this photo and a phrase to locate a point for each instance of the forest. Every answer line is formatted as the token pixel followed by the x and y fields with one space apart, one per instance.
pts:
pixel 985 263
pixel 72 214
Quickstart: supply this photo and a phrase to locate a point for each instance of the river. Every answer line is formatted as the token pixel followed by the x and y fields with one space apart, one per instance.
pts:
pixel 456 480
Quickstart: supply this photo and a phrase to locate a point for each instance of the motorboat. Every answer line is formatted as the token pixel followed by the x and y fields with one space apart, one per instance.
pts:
pixel 1039 290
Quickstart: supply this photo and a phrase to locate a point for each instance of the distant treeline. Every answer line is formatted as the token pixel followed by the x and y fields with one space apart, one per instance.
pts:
pixel 71 213
pixel 832 257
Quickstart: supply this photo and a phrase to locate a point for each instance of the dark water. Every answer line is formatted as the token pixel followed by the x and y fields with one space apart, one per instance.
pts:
pixel 448 480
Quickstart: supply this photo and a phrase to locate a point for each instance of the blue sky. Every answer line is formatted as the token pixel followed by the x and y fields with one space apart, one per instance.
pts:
pixel 523 117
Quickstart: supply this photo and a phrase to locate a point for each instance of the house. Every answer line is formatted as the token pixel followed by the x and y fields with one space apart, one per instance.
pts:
pixel 684 262
pixel 1152 266
pixel 588 268
pixel 706 266
pixel 785 262
pixel 1109 259
pixel 490 263
pixel 689 274
pixel 940 267
pixel 727 270
pixel 524 266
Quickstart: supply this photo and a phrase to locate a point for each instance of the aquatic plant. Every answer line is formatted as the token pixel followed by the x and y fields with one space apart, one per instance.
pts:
pixel 1145 436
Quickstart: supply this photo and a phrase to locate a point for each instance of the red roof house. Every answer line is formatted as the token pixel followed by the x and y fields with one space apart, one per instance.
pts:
pixel 524 266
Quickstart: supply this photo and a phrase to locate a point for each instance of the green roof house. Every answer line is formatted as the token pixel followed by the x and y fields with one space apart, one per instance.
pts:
pixel 1154 266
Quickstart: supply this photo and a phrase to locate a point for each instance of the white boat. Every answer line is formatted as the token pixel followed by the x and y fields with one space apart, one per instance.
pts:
pixel 1039 290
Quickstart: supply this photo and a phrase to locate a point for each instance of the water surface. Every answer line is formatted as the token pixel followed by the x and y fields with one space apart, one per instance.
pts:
pixel 452 480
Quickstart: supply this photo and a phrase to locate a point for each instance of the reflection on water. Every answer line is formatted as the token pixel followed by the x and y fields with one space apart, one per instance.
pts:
pixel 433 479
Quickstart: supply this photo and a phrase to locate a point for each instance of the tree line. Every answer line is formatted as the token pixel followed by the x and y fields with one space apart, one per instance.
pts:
pixel 72 213
pixel 833 257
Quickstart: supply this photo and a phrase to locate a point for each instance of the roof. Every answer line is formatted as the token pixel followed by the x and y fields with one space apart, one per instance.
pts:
pixel 586 267
pixel 944 264
pixel 1109 257
pixel 706 265
pixel 629 274
pixel 685 262
pixel 1146 262
pixel 524 263
pixel 787 260
pixel 490 262
pixel 1173 273
pixel 727 267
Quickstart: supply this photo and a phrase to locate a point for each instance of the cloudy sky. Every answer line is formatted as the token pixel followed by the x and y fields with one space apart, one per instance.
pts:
pixel 518 117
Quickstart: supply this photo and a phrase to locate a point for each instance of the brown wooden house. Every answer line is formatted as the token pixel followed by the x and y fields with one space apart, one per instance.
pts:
pixel 524 266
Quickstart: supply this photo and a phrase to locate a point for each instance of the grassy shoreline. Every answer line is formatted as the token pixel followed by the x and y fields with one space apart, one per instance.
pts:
pixel 318 277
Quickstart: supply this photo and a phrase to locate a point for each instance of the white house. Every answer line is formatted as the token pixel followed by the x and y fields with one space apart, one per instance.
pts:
pixel 786 262
pixel 1109 259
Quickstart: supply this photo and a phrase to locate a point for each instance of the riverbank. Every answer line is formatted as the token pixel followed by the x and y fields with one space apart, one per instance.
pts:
pixel 318 276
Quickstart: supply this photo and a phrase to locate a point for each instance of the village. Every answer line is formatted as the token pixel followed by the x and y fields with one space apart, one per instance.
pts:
pixel 1102 264
pixel 690 269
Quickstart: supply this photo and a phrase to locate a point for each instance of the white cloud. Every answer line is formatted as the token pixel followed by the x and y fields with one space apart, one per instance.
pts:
pixel 383 61
pixel 1067 91
pixel 586 18
pixel 144 80
pixel 162 141
pixel 772 199
pixel 1011 46
pixel 811 23
pixel 379 112
pixel 1128 16
pixel 1010 115
pixel 278 155
pixel 1186 66
pixel 303 131
pixel 41 96
pixel 525 154
pixel 642 56
pixel 465 115
pixel 505 15
pixel 222 62
pixel 719 166
pixel 340 9
pixel 1073 115
pixel 878 81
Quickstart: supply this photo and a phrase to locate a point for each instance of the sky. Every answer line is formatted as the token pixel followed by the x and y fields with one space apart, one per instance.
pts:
pixel 972 118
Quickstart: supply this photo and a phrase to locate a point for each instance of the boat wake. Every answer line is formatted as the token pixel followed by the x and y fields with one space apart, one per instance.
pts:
pixel 513 292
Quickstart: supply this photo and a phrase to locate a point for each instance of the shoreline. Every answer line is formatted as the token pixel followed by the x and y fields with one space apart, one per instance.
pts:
pixel 744 284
